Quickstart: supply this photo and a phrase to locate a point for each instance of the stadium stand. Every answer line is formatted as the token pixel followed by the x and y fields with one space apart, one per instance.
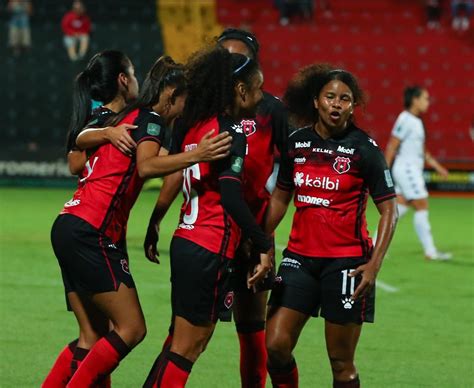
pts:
pixel 38 85
pixel 385 43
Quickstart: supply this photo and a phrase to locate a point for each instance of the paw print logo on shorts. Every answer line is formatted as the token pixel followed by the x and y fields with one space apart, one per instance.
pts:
pixel 347 303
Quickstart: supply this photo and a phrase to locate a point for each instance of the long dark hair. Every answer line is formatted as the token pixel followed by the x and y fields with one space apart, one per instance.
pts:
pixel 410 93
pixel 164 73
pixel 97 82
pixel 307 84
pixel 212 75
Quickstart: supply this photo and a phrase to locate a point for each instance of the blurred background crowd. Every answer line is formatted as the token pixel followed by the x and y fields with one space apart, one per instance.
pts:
pixel 387 44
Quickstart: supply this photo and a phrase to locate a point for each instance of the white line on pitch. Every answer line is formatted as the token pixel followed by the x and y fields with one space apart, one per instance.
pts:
pixel 386 287
pixel 379 284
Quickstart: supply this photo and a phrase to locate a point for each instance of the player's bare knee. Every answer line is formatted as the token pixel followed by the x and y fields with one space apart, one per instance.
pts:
pixel 190 350
pixel 279 351
pixel 342 369
pixel 132 334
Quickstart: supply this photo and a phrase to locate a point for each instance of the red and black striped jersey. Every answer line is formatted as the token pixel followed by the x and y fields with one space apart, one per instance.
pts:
pixel 266 136
pixel 111 184
pixel 204 218
pixel 331 180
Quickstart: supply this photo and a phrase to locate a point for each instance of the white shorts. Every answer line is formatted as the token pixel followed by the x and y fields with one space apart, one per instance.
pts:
pixel 19 37
pixel 409 181
pixel 73 40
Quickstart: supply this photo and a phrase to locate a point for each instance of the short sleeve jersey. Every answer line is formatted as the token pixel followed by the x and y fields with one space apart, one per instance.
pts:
pixel 111 185
pixel 203 220
pixel 409 129
pixel 332 179
pixel 266 135
pixel 98 119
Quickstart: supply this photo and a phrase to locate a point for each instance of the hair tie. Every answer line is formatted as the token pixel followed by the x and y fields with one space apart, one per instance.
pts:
pixel 247 60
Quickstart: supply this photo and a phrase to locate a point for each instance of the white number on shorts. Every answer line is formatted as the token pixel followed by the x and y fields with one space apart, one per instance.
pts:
pixel 190 194
pixel 345 276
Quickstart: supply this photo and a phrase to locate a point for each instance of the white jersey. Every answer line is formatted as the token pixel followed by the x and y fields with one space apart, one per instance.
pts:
pixel 410 131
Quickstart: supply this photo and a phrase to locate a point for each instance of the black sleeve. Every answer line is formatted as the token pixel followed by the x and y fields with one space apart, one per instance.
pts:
pixel 376 173
pixel 150 127
pixel 230 185
pixel 285 173
pixel 177 137
pixel 167 141
pixel 97 120
pixel 236 207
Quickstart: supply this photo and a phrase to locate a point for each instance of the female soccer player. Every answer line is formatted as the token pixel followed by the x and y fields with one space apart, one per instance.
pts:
pixel 329 267
pixel 108 77
pixel 267 131
pixel 89 235
pixel 406 153
pixel 224 88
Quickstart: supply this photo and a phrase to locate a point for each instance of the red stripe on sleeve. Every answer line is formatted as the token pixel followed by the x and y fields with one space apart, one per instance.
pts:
pixel 230 177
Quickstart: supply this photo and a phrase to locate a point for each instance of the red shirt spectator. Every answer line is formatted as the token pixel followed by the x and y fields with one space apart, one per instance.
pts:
pixel 76 26
pixel 74 23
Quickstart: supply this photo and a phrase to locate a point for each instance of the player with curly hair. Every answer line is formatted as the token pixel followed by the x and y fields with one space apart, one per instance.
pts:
pixel 329 266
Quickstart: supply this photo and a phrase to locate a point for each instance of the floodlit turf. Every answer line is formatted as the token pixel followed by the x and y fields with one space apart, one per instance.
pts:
pixel 423 335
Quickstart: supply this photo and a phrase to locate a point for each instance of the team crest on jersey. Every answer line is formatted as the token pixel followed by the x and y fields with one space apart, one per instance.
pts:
pixel 342 164
pixel 125 268
pixel 229 299
pixel 249 127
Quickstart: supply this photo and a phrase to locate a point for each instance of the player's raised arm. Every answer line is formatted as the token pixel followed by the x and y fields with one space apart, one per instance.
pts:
pixel 210 148
pixel 118 136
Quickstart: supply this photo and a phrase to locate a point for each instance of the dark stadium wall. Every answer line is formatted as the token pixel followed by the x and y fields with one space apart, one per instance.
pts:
pixel 38 84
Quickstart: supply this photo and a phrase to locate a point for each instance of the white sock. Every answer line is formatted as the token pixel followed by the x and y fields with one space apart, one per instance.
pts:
pixel 423 230
pixel 402 210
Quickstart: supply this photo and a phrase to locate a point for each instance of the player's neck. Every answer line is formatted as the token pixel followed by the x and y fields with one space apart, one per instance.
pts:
pixel 414 112
pixel 235 112
pixel 117 104
pixel 326 132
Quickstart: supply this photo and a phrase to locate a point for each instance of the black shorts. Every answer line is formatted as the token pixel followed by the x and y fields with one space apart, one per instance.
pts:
pixel 245 260
pixel 90 262
pixel 200 287
pixel 322 287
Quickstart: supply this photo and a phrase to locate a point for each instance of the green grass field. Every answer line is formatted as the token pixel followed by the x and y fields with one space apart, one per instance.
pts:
pixel 423 335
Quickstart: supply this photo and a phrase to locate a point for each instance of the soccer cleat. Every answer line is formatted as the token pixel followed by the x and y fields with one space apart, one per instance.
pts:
pixel 440 256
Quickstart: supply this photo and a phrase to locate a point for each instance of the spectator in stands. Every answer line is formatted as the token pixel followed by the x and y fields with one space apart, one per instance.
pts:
pixel 76 26
pixel 19 36
pixel 289 8
pixel 433 14
pixel 461 11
